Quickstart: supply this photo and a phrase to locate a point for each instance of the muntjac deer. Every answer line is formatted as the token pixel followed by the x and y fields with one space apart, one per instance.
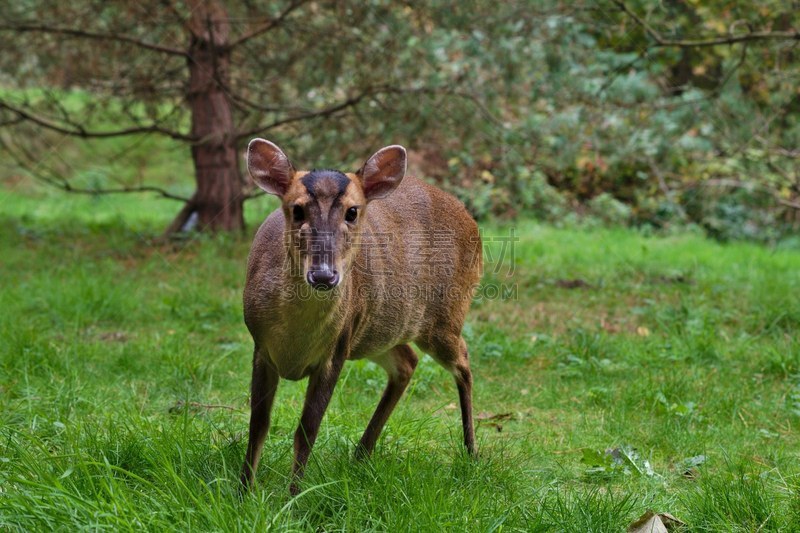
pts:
pixel 354 265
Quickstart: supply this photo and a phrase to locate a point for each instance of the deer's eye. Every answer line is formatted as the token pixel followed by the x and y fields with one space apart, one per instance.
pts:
pixel 298 215
pixel 351 215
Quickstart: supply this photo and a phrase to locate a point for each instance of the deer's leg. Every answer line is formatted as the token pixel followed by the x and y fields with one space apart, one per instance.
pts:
pixel 452 354
pixel 463 376
pixel 399 364
pixel 262 394
pixel 319 392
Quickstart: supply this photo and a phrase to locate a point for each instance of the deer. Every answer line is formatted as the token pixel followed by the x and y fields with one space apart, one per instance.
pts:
pixel 345 269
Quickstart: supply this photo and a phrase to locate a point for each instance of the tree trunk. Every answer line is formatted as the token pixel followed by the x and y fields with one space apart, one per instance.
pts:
pixel 218 203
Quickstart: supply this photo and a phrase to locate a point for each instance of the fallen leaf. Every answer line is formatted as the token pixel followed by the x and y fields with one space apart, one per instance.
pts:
pixel 492 416
pixel 688 466
pixel 677 279
pixel 642 331
pixel 573 284
pixel 690 473
pixel 491 419
pixel 608 326
pixel 670 521
pixel 194 407
pixel 651 522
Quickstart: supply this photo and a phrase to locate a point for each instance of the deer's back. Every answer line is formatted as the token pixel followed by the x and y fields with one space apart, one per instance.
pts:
pixel 419 262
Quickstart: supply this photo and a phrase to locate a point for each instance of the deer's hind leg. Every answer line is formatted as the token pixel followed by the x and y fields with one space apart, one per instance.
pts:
pixel 451 352
pixel 399 364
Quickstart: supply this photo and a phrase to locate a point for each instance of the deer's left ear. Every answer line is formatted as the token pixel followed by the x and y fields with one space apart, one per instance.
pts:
pixel 383 172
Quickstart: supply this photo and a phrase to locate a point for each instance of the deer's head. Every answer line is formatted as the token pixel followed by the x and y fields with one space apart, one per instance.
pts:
pixel 324 209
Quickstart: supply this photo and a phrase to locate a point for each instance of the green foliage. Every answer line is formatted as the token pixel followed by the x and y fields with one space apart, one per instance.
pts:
pixel 622 460
pixel 737 501
pixel 610 210
pixel 543 109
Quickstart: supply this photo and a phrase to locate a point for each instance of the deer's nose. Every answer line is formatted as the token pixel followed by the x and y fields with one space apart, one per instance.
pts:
pixel 324 279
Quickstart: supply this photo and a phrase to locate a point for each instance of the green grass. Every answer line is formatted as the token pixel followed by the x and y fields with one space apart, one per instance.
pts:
pixel 124 370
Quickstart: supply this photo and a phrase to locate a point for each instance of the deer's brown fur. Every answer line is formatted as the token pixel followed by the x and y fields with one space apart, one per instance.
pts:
pixel 404 272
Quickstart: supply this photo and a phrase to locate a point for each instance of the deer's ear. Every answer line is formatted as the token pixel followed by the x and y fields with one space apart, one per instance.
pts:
pixel 269 166
pixel 383 172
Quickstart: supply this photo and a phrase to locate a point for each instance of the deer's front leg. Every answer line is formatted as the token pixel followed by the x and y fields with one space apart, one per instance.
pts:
pixel 262 394
pixel 318 395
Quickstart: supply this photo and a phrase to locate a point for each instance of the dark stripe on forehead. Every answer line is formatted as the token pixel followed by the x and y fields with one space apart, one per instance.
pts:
pixel 325 183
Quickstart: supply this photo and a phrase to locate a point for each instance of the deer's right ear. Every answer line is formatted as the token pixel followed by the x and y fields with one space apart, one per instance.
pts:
pixel 269 166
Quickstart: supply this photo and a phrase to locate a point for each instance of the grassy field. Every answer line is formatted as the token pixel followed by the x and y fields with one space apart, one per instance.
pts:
pixel 621 373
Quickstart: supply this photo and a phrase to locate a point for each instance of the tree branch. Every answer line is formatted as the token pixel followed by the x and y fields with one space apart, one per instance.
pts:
pixel 268 25
pixel 80 131
pixel 66 186
pixel 375 91
pixel 50 177
pixel 715 41
pixel 83 34
pixel 736 184
pixel 326 112
pixel 255 194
